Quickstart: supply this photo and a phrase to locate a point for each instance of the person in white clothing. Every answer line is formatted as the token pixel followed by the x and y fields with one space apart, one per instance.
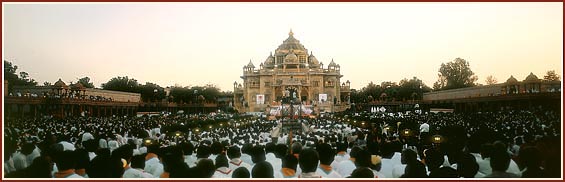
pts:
pixel 341 155
pixel 234 154
pixel 325 169
pixel 66 164
pixel 152 163
pixel 135 169
pixel 245 157
pixel 222 167
pixel 288 167
pixel 19 160
pixel 188 151
pixel 347 166
pixel 271 157
pixel 376 166
pixel 308 162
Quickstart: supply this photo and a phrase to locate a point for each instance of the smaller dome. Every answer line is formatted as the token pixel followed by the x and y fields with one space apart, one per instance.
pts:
pixel 332 63
pixel 531 78
pixel 291 57
pixel 270 60
pixel 312 59
pixel 512 80
pixel 250 65
pixel 60 84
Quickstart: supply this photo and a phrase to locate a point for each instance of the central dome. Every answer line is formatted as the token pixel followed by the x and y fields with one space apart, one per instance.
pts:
pixel 291 57
pixel 291 43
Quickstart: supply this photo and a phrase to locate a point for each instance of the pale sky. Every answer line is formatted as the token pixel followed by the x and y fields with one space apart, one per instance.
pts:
pixel 191 44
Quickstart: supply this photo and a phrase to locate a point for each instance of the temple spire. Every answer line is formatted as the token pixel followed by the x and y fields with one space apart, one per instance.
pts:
pixel 290 33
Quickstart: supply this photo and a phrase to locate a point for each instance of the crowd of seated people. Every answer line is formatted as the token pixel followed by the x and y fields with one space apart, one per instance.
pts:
pixel 510 144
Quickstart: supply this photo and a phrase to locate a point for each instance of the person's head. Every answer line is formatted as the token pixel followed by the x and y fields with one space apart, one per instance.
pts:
pixel 257 154
pixel 296 147
pixel 65 160
pixel 234 152
pixel 281 150
pixel 444 172
pixel 83 160
pixel 205 168
pixel 172 158
pixel 241 172
pixel 363 159
pixel 326 153
pixel 262 169
pixel 203 151
pixel 221 161
pixel 530 157
pixel 362 172
pixel 354 152
pixel 289 161
pixel 434 159
pixel 246 148
pixel 103 152
pixel 124 152
pixel 486 150
pixel 217 148
pixel 376 162
pixel 187 148
pixel 28 148
pixel 90 145
pixel 407 156
pixel 40 168
pixel 341 147
pixel 308 160
pixel 499 160
pixel 270 147
pixel 138 161
pixel 467 166
pixel 153 148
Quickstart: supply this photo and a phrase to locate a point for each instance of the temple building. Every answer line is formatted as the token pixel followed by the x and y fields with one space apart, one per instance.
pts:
pixel 291 72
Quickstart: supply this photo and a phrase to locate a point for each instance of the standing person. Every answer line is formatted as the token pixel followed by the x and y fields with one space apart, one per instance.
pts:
pixel 424 132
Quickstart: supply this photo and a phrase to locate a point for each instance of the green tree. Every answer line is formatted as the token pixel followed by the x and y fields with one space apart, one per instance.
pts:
pixel 412 89
pixel 491 80
pixel 455 74
pixel 180 94
pixel 151 92
pixel 551 76
pixel 23 79
pixel 85 81
pixel 124 84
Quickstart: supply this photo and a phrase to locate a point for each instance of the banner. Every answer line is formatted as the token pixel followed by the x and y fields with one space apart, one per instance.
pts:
pixel 260 99
pixel 323 97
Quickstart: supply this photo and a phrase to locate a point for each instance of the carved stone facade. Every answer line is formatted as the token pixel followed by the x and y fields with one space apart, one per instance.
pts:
pixel 291 72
